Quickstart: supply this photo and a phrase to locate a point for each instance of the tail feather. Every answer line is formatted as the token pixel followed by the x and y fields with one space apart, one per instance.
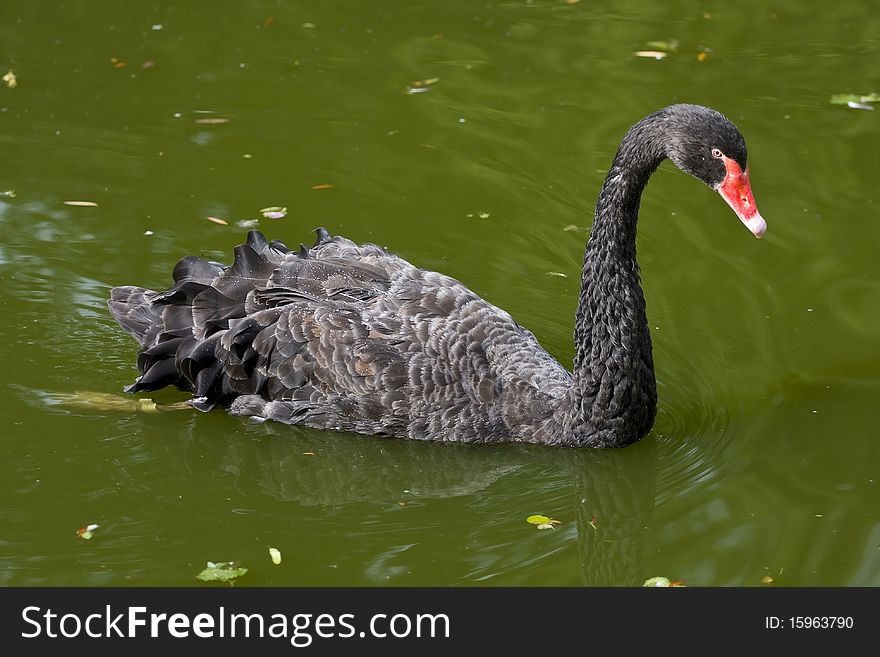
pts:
pixel 213 331
pixel 132 307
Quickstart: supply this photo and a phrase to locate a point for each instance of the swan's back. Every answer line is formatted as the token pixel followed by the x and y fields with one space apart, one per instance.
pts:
pixel 343 336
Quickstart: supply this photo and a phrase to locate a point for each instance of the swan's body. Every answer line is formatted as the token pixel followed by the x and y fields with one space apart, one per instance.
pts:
pixel 351 337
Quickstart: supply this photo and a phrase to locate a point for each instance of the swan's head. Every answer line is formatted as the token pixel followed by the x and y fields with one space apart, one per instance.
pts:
pixel 705 144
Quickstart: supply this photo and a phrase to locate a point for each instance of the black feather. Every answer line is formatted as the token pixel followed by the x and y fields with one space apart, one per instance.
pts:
pixel 350 337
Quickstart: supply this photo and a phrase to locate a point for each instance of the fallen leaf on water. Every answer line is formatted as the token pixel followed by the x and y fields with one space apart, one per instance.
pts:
pixel 656 581
pixel 218 220
pixel 542 522
pixel 10 80
pixel 557 273
pixel 275 555
pixel 148 64
pixel 274 212
pixel 211 121
pixel 85 532
pixel 225 571
pixel 592 523
pixel 323 186
pixel 116 63
pixel 766 579
pixel 856 101
pixel 8 193
pixel 662 582
pixel 82 204
pixel 421 86
pixel 308 453
pixel 669 46
pixel 701 57
pixel 651 54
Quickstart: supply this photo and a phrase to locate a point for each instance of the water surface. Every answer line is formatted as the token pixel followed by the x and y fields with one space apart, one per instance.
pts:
pixel 763 460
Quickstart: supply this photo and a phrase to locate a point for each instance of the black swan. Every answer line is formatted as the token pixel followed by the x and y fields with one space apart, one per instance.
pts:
pixel 353 338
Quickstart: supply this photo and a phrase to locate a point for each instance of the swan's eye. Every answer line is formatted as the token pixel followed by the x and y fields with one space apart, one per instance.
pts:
pixel 717 153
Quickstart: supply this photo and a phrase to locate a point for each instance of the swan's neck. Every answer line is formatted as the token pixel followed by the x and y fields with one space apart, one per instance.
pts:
pixel 614 398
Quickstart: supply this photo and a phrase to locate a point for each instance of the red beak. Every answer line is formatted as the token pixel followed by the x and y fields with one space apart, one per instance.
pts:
pixel 736 190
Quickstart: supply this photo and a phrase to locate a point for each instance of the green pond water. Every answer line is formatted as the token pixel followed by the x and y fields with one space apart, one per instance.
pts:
pixel 764 460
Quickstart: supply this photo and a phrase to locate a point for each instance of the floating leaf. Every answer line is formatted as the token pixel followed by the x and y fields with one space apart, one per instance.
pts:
pixel 766 579
pixel 218 220
pixel 323 186
pixel 701 56
pixel 211 120
pixel 856 101
pixel 651 54
pixel 116 63
pixel 85 532
pixel 225 571
pixel 10 80
pixel 82 204
pixel 662 582
pixel 275 554
pixel 592 523
pixel 8 193
pixel 274 212
pixel 668 46
pixel 542 522
pixel 557 273
pixel 656 581
pixel 420 86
